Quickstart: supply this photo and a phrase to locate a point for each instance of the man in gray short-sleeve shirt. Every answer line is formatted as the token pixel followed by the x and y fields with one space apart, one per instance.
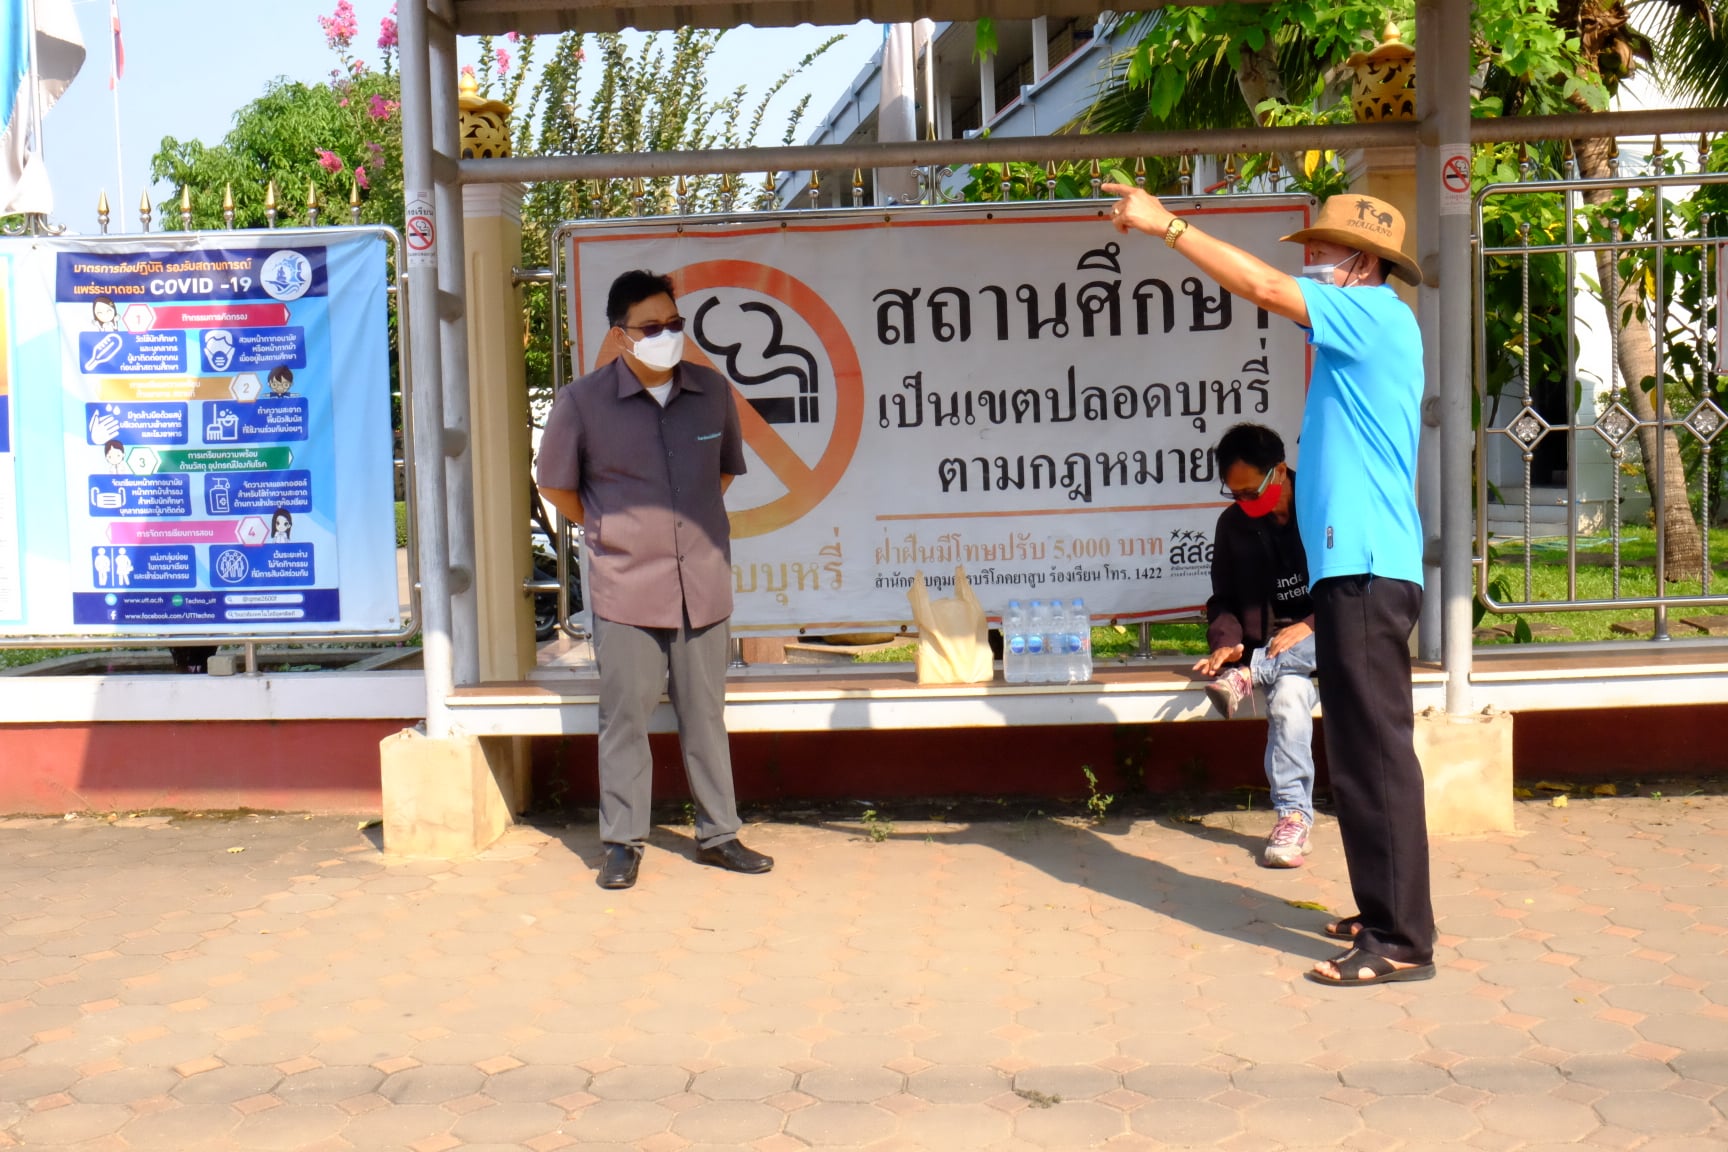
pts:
pixel 640 452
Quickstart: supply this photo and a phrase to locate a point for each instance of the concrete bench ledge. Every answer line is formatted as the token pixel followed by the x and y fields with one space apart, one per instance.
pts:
pixel 804 698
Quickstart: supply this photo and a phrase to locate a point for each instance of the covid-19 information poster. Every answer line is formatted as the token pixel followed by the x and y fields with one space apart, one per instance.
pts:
pixel 201 435
pixel 10 590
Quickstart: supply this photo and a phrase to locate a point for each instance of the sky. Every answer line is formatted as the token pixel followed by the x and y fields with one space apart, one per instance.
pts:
pixel 179 83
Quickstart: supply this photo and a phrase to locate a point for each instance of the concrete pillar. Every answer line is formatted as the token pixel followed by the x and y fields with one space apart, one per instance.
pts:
pixel 450 797
pixel 498 412
pixel 986 89
pixel 1040 47
pixel 1467 767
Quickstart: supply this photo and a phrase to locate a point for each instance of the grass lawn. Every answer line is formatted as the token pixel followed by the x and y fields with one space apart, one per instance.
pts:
pixel 18 657
pixel 1596 582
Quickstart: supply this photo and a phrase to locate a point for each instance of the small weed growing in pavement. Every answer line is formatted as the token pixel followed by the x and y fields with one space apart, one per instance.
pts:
pixel 1098 804
pixel 689 814
pixel 1036 1098
pixel 876 827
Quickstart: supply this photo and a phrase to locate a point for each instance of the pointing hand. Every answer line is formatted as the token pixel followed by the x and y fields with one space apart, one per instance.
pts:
pixel 1138 209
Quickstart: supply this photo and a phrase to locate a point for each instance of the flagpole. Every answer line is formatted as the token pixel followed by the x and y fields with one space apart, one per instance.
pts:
pixel 114 88
pixel 33 143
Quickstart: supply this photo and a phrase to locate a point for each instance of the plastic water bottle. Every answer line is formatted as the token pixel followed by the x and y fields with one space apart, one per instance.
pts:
pixel 1015 669
pixel 1056 643
pixel 1037 643
pixel 1079 647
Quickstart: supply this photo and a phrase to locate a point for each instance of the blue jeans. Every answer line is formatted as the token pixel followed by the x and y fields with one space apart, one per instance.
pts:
pixel 1290 700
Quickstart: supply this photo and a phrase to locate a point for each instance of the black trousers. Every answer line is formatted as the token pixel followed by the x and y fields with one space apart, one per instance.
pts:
pixel 1362 630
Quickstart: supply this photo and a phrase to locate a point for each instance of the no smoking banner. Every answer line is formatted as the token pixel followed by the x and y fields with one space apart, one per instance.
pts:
pixel 1014 390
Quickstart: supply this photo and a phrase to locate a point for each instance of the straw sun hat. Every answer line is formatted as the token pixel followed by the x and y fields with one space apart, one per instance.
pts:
pixel 1366 224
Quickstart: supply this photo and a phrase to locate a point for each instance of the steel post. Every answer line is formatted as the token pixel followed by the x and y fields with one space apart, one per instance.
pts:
pixel 425 374
pixel 1078 146
pixel 1444 41
pixel 453 338
pixel 1428 490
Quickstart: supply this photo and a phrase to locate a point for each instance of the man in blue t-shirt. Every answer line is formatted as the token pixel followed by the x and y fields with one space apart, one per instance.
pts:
pixel 1356 510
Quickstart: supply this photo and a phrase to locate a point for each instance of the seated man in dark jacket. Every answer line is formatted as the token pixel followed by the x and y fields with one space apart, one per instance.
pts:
pixel 1260 625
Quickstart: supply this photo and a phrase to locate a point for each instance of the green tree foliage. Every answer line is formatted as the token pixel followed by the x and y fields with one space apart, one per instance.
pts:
pixel 1281 64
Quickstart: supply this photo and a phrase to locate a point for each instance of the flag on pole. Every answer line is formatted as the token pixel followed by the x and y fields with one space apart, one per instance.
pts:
pixel 117 62
pixel 40 52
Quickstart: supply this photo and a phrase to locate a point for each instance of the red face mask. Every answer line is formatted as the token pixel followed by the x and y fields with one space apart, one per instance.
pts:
pixel 1264 504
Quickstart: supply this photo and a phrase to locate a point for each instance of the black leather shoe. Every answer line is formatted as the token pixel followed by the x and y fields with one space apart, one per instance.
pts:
pixel 618 869
pixel 734 857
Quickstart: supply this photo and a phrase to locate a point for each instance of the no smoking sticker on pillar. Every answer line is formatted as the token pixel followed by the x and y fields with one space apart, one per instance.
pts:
pixel 1454 179
pixel 420 230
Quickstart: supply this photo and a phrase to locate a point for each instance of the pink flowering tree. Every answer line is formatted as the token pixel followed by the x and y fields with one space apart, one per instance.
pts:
pixel 340 136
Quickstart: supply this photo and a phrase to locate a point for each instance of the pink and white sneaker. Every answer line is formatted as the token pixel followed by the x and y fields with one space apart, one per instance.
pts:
pixel 1227 692
pixel 1287 846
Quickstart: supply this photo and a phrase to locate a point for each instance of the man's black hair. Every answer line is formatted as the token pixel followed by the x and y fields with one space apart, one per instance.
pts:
pixel 630 290
pixel 1252 444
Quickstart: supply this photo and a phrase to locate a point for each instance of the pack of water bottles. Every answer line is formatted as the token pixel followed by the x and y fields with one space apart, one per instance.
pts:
pixel 1046 642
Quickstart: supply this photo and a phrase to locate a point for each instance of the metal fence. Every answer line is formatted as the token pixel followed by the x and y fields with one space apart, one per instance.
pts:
pixel 1596 355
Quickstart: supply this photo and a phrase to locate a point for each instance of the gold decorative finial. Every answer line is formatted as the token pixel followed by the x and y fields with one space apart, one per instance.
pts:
pixel 313 205
pixel 354 201
pixel 270 203
pixel 228 205
pixel 484 124
pixel 144 210
pixel 102 211
pixel 185 208
pixel 1385 86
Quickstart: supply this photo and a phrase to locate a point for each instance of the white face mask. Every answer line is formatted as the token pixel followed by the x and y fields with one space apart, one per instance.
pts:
pixel 661 352
pixel 1326 273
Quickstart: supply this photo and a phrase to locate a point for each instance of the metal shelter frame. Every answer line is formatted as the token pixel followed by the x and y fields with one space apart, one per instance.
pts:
pixel 433 173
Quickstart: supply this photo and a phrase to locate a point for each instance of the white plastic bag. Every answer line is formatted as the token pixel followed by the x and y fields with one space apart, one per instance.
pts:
pixel 953 634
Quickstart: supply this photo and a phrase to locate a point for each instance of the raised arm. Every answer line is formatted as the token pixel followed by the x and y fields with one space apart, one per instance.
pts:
pixel 1236 271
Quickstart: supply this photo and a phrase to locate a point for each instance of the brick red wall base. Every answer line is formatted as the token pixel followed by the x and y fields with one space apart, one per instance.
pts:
pixel 304 766
pixel 332 766
pixel 1160 758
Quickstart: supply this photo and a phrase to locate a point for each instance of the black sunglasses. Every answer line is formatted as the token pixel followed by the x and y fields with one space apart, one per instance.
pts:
pixel 1224 490
pixel 649 331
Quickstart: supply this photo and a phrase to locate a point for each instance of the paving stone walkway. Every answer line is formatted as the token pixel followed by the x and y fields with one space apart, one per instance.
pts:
pixel 276 983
